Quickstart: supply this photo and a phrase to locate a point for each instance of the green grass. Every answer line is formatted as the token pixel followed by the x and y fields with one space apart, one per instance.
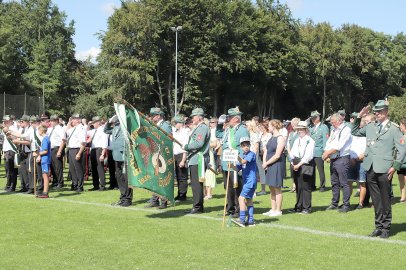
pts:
pixel 81 231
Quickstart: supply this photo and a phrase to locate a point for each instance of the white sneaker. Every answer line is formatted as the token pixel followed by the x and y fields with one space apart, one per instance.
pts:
pixel 275 214
pixel 268 213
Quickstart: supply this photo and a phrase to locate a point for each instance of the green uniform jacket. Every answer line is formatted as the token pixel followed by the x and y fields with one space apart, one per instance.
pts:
pixel 379 153
pixel 240 131
pixel 198 142
pixel 403 166
pixel 118 141
pixel 320 137
pixel 166 126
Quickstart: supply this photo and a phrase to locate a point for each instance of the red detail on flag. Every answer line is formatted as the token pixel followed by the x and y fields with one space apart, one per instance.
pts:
pixel 199 137
pixel 402 141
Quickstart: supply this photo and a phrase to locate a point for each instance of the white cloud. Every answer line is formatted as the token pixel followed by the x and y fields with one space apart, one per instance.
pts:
pixel 295 5
pixel 93 52
pixel 108 8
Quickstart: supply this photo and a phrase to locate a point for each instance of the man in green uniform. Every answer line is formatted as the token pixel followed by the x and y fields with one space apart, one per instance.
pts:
pixel 157 117
pixel 231 140
pixel 118 150
pixel 319 133
pixel 383 137
pixel 198 158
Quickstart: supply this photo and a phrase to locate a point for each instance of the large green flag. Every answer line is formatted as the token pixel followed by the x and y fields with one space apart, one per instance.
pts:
pixel 149 153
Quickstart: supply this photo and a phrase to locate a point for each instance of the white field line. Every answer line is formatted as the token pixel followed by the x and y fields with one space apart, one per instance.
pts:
pixel 268 225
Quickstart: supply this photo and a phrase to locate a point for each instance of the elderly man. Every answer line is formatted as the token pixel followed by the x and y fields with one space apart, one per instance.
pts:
pixel 57 136
pixel 338 151
pixel 231 140
pixel 9 152
pixel 383 137
pixel 319 133
pixel 98 141
pixel 76 140
pixel 118 149
pixel 198 156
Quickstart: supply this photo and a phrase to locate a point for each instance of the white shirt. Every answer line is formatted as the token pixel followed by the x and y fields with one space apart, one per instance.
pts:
pixel 340 139
pixel 181 135
pixel 34 145
pixel 6 144
pixel 100 139
pixel 56 135
pixel 76 136
pixel 303 148
pixel 358 146
pixel 27 137
pixel 254 139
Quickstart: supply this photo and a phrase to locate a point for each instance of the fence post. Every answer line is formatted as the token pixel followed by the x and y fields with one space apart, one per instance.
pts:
pixel 25 103
pixel 4 103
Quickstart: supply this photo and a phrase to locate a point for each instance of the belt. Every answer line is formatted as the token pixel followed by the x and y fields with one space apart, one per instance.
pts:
pixel 346 156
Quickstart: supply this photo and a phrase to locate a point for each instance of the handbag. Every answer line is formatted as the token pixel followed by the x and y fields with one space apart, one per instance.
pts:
pixel 307 169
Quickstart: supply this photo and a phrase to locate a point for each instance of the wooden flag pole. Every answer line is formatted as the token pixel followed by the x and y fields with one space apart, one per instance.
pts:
pixel 225 198
pixel 152 123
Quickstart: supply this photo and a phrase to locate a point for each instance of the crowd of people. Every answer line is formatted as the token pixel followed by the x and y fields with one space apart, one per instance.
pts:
pixel 367 150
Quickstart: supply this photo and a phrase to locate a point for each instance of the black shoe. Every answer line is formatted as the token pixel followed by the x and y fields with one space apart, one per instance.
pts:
pixel 125 204
pixel 375 233
pixel 79 190
pixel 344 209
pixel 305 212
pixel 151 205
pixel 341 206
pixel 332 207
pixel 93 189
pixel 163 206
pixel 384 234
pixel 322 189
pixel 359 206
pixel 294 210
pixel 22 190
pixel 102 189
pixel 30 191
pixel 193 211
pixel 236 215
pixel 117 203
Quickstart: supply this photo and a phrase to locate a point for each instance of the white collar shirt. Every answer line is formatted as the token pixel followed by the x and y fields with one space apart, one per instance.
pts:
pixel 56 135
pixel 181 135
pixel 76 137
pixel 6 145
pixel 340 140
pixel 303 148
pixel 99 138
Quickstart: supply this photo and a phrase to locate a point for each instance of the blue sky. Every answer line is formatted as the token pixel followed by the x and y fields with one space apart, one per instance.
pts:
pixel 386 16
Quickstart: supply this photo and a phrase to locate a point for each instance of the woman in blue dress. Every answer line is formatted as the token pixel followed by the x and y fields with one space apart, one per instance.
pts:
pixel 274 162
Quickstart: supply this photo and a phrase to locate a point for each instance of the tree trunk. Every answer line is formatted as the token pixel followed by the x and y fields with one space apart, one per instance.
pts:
pixel 215 102
pixel 159 92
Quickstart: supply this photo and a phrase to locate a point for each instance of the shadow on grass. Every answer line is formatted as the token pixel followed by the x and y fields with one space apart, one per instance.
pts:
pixel 61 195
pixel 396 228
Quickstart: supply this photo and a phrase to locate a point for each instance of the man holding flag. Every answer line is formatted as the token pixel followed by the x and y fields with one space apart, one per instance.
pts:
pixel 198 156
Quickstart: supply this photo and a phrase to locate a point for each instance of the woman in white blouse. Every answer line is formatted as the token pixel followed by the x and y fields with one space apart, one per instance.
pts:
pixel 301 154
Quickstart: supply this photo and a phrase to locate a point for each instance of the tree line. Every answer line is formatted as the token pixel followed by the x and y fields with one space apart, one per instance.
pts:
pixel 230 52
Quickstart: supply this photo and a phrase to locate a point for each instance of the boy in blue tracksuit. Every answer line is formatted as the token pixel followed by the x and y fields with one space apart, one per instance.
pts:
pixel 247 163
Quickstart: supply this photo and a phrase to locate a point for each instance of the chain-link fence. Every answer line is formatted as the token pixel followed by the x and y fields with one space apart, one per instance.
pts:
pixel 21 104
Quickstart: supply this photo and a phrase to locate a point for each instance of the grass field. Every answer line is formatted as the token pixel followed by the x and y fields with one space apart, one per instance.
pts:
pixel 82 231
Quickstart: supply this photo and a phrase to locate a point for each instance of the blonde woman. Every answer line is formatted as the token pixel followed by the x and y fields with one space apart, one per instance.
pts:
pixel 273 162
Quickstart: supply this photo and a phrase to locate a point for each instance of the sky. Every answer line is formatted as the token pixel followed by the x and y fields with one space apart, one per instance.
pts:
pixel 385 16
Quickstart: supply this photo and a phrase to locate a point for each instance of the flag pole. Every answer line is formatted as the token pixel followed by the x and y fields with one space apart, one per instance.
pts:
pixel 152 123
pixel 225 198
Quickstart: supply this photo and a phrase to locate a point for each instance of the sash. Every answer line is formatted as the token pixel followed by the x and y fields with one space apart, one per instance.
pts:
pixel 67 141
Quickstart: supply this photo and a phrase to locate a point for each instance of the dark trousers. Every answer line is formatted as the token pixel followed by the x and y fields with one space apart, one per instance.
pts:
pixel 379 188
pixel 57 167
pixel 98 176
pixel 339 172
pixel 233 205
pixel 181 177
pixel 23 172
pixel 303 190
pixel 11 172
pixel 197 188
pixel 126 193
pixel 76 169
pixel 319 164
pixel 112 169
pixel 38 173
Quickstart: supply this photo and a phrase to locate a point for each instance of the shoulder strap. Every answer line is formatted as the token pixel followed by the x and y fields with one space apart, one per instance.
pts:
pixel 37 140
pixel 67 142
